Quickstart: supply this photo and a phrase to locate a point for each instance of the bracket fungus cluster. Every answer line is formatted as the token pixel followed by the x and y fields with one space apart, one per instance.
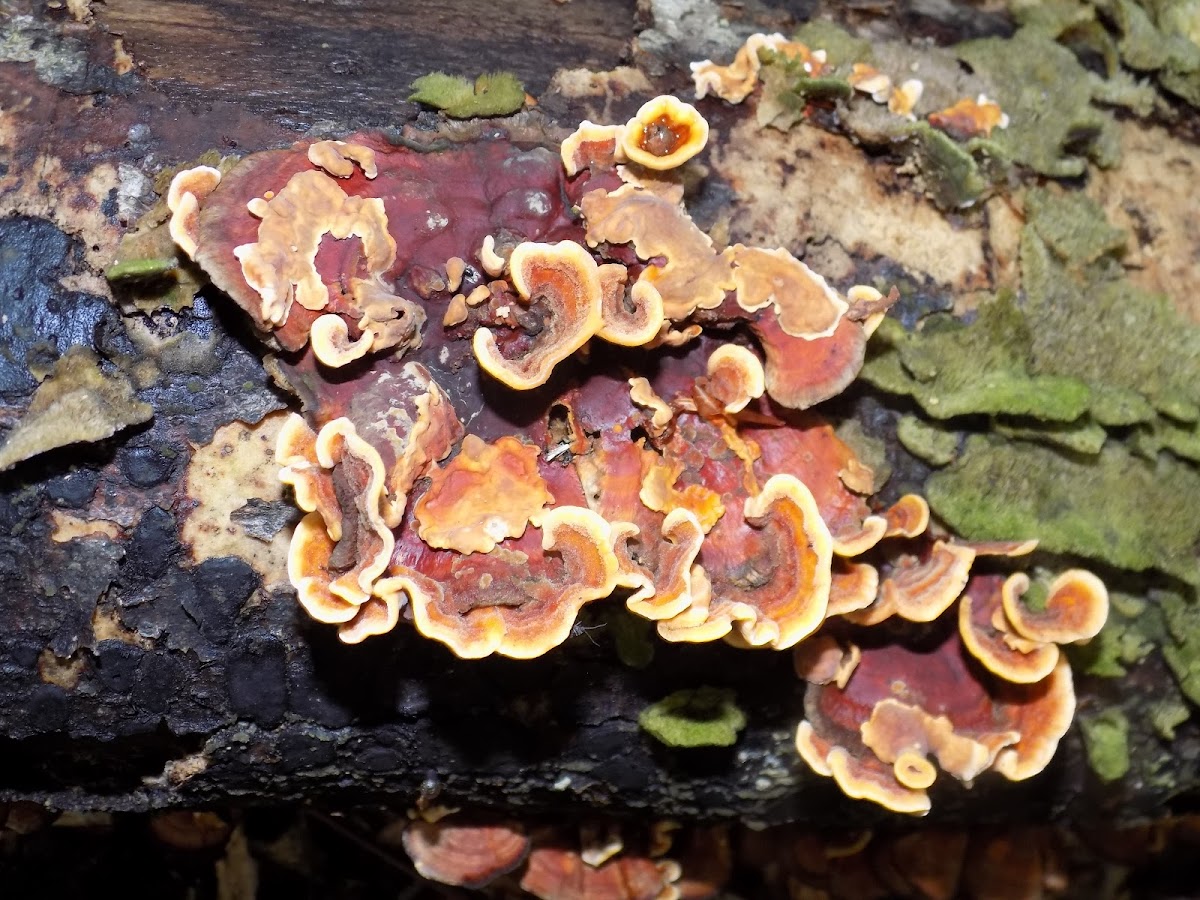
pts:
pixel 591 862
pixel 530 381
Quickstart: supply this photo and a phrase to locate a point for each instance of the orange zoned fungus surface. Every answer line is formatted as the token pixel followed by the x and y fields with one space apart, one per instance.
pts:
pixel 465 855
pixel 665 133
pixel 561 285
pixel 487 493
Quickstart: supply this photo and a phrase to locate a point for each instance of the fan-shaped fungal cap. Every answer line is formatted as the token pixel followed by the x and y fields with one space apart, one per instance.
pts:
pixel 665 133
pixel 822 660
pixel 735 377
pixel 632 314
pixel 693 276
pixel 1042 712
pixel 922 588
pixel 787 599
pixel 561 282
pixel 518 600
pixel 869 80
pixel 556 873
pixel 806 306
pixel 487 493
pixel 281 265
pixel 464 855
pixel 296 452
pixel 1075 610
pixel 800 372
pixel 907 517
pixel 736 81
pixel 905 98
pixel 338 158
pixel 592 146
pixel 330 339
pixel 989 637
pixel 970 118
pixel 188 188
pixel 930 701
pixel 334 577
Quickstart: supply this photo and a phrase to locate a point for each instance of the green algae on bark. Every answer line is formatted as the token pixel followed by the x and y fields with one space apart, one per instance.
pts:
pixel 1053 128
pixel 1115 508
pixel 927 441
pixel 954 369
pixel 494 94
pixel 1106 737
pixel 697 717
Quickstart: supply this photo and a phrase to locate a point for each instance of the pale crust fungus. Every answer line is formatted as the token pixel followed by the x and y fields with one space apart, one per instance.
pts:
pixel 805 305
pixel 736 81
pixel 281 265
pixel 562 281
pixel 664 134
pixel 970 118
pixel 694 275
pixel 866 79
pixel 465 855
pixel 905 98
pixel 188 188
pixel 735 377
pixel 338 158
pixel 632 314
pixel 593 146
pixel 486 494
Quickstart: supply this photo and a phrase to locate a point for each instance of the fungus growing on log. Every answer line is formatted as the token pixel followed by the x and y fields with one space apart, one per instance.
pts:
pixel 904 703
pixel 471 458
pixel 736 81
pixel 464 854
pixel 187 189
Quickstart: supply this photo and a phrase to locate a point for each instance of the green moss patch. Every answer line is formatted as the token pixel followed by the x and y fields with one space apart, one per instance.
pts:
pixel 1106 737
pixel 495 94
pixel 698 717
pixel 1115 508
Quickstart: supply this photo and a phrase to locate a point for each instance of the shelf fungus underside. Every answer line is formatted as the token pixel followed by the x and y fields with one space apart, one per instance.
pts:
pixel 530 381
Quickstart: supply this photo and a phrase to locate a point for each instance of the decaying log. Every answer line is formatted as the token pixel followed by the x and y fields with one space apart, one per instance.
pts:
pixel 152 654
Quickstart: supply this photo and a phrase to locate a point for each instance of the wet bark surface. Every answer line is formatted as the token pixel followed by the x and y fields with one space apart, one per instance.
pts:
pixel 135 675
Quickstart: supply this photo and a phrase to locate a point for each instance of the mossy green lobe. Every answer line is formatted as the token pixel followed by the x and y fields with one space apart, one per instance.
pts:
pixel 1054 128
pixel 495 94
pixel 952 369
pixel 928 441
pixel 1106 737
pixel 1088 321
pixel 1115 508
pixel 1073 225
pixel 698 717
pixel 842 49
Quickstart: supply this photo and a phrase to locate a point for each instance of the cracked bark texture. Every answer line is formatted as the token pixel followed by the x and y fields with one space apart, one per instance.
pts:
pixel 152 654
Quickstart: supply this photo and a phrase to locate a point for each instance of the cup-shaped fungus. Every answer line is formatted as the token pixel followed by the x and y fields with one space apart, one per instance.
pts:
pixel 665 133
